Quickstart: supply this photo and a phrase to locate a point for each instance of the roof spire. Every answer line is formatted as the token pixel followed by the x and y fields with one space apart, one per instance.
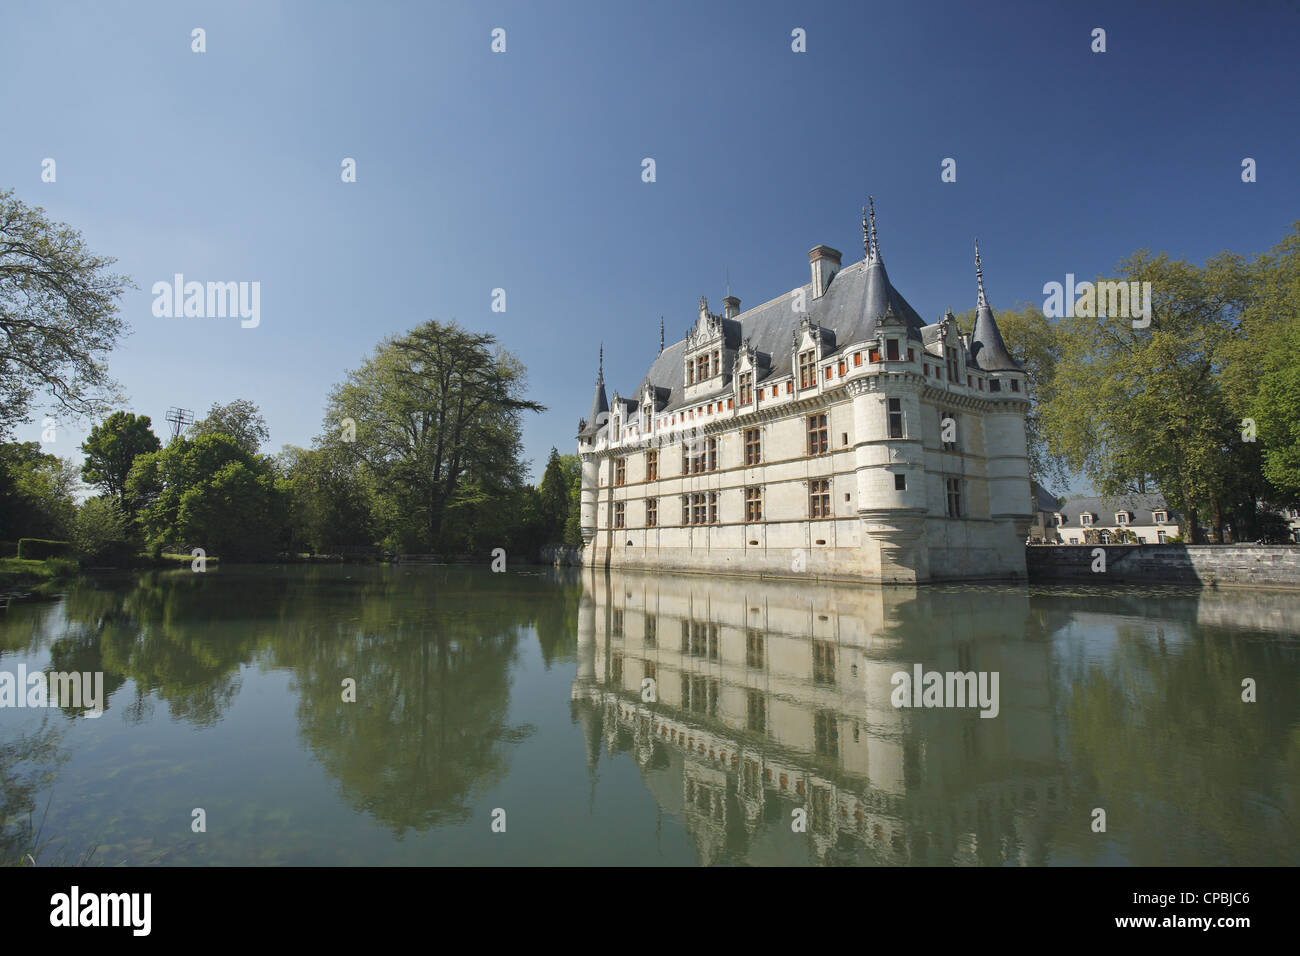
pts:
pixel 866 236
pixel 600 372
pixel 875 243
pixel 661 333
pixel 979 275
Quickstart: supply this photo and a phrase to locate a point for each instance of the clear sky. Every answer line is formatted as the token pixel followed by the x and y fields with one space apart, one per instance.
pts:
pixel 522 170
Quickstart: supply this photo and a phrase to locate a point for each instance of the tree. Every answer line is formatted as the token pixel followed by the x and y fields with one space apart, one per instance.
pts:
pixel 209 492
pixel 332 502
pixel 436 414
pixel 100 528
pixel 37 493
pixel 240 419
pixel 112 447
pixel 58 315
pixel 1138 407
pixel 553 498
pixel 1032 340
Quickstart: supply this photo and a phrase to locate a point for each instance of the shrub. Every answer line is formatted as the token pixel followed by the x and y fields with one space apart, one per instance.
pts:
pixel 37 549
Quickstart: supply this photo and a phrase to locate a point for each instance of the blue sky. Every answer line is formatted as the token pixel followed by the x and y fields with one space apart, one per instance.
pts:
pixel 522 170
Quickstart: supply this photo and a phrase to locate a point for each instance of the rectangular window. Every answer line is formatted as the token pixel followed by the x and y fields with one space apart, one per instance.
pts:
pixel 686 509
pixel 891 349
pixel 713 507
pixel 1015 385
pixel 717 362
pixel 619 508
pixel 620 471
pixel 697 508
pixel 819 498
pixel 753 448
pixel 843 369
pixel 828 373
pixel 857 359
pixel 1162 537
pixel 713 454
pixel 952 365
pixel 1161 517
pixel 651 631
pixel 895 418
pixel 873 354
pixel 789 387
pixel 953 488
pixel 746 388
pixel 753 504
pixel 911 355
pixel 926 369
pixel 652 465
pixel 652 512
pixel 900 482
pixel 948 429
pixel 995 385
pixel 817 435
pixel 754 655
pixel 807 369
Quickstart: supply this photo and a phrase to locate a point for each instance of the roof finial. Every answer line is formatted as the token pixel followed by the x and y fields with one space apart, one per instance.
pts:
pixel 866 236
pixel 661 333
pixel 600 372
pixel 979 275
pixel 875 243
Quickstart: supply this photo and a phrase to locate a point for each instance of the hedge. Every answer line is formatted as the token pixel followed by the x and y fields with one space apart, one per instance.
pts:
pixel 38 549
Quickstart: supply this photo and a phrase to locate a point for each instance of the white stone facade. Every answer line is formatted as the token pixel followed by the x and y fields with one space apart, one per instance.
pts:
pixel 880 450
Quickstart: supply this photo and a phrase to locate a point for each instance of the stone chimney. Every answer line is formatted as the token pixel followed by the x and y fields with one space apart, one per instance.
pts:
pixel 825 262
pixel 730 307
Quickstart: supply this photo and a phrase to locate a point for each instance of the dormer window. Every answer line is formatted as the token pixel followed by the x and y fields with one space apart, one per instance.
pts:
pixel 1060 519
pixel 891 349
pixel 1161 517
pixel 1121 517
pixel 807 369
pixel 952 365
pixel 1085 519
pixel 746 387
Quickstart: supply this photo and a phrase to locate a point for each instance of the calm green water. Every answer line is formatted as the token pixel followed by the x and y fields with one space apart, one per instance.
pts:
pixel 526 691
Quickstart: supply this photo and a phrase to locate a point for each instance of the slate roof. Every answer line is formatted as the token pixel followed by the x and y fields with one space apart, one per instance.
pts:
pixel 1142 507
pixel 858 296
pixel 986 345
pixel 1044 500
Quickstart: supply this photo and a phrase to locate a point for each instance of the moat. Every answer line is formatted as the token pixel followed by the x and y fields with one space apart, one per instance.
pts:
pixel 648 719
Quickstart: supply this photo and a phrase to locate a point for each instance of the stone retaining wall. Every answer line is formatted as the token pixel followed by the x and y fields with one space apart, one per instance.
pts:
pixel 1208 565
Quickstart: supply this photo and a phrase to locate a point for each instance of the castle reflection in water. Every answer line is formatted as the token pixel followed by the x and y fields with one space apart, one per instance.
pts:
pixel 774 696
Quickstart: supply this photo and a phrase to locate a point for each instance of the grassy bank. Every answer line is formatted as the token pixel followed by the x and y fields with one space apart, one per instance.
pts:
pixel 18 574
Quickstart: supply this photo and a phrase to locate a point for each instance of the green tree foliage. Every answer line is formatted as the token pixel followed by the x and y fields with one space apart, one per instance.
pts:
pixel 210 492
pixel 112 447
pixel 437 436
pixel 100 529
pixel 37 493
pixel 573 523
pixel 332 502
pixel 1141 408
pixel 553 495
pixel 58 315
pixel 240 419
pixel 1264 371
